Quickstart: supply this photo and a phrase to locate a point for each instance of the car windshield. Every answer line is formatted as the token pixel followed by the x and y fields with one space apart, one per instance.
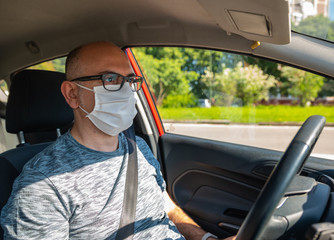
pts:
pixel 313 17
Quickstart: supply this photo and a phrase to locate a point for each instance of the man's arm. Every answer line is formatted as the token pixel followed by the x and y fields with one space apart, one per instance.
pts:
pixel 187 227
pixel 34 210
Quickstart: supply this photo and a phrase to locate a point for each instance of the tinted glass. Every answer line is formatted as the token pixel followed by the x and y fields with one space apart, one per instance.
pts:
pixel 235 98
pixel 313 17
pixel 57 65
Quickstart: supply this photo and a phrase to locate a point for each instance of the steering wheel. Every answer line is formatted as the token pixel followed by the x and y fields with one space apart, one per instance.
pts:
pixel 290 164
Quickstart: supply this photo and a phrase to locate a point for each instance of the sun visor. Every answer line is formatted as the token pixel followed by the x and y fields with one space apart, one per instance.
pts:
pixel 251 23
pixel 260 20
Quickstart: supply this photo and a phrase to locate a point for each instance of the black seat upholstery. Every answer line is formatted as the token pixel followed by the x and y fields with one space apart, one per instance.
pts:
pixel 36 105
pixel 35 110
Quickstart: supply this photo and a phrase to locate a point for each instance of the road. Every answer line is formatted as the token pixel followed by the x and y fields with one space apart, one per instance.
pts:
pixel 270 137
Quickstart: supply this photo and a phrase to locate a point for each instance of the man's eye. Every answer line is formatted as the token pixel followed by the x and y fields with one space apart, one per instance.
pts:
pixel 110 78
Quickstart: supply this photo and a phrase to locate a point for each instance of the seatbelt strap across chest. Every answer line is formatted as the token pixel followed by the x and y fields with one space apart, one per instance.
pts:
pixel 127 222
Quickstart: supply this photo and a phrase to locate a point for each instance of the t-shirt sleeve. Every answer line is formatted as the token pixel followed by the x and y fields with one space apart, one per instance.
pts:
pixel 146 151
pixel 35 209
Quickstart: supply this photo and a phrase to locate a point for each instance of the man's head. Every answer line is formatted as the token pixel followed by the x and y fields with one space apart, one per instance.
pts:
pixel 94 58
pixel 89 60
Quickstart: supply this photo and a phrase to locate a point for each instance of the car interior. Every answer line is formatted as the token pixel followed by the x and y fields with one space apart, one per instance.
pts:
pixel 35 130
pixel 217 183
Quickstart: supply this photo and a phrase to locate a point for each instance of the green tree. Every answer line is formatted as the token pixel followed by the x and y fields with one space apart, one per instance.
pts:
pixel 249 83
pixel 223 87
pixel 200 61
pixel 53 65
pixel 163 68
pixel 317 26
pixel 59 64
pixel 44 66
pixel 328 88
pixel 271 68
pixel 304 85
pixel 330 34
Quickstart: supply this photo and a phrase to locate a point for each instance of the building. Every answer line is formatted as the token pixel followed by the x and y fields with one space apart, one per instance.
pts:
pixel 301 9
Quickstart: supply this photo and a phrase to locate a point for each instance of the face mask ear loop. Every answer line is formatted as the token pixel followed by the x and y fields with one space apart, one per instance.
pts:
pixel 84 111
pixel 87 113
pixel 79 85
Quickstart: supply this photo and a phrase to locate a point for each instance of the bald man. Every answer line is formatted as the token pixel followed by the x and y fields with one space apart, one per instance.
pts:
pixel 74 188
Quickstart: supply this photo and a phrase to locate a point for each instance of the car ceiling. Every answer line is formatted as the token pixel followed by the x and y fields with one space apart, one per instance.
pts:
pixel 36 30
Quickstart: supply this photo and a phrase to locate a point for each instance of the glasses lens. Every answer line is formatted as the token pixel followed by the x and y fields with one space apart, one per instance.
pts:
pixel 135 83
pixel 112 81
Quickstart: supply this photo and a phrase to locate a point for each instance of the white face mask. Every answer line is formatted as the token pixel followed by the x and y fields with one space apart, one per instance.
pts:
pixel 113 111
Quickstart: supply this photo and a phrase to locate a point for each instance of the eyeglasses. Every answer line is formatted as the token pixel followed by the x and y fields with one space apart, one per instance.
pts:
pixel 109 80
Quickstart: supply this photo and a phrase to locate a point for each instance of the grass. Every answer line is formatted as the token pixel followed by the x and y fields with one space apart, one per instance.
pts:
pixel 259 114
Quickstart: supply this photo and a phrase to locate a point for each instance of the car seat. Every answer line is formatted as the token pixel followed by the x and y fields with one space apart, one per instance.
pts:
pixel 37 112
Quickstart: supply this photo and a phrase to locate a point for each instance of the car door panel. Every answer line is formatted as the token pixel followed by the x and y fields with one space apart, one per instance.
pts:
pixel 213 181
pixel 216 182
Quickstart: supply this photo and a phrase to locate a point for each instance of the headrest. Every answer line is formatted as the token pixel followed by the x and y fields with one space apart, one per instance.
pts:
pixel 35 102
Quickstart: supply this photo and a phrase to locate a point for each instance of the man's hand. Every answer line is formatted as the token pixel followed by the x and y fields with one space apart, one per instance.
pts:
pixel 187 227
pixel 230 238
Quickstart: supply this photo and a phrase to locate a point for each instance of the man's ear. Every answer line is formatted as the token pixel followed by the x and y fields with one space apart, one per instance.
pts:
pixel 70 93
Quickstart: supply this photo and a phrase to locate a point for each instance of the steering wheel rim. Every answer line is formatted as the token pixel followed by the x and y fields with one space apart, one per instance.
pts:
pixel 290 164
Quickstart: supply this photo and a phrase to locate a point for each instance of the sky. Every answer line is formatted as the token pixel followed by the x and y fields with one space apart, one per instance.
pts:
pixel 331 10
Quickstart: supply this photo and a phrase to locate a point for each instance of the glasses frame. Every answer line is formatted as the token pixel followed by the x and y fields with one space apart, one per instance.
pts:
pixel 129 79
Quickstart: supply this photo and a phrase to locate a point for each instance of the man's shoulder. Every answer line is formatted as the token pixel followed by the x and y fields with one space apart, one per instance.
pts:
pixel 143 147
pixel 141 142
pixel 146 152
pixel 51 157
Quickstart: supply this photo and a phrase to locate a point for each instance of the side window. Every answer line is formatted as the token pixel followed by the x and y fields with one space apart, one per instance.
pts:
pixel 4 88
pixel 236 98
pixel 57 65
pixel 3 97
pixel 3 100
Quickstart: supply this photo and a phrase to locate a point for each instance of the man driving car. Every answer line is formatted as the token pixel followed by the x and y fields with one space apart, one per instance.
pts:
pixel 74 188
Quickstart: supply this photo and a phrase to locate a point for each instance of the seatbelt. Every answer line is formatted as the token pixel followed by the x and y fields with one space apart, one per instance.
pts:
pixel 127 223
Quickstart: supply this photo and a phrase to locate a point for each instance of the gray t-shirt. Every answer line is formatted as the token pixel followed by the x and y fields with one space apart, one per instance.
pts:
pixel 69 191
